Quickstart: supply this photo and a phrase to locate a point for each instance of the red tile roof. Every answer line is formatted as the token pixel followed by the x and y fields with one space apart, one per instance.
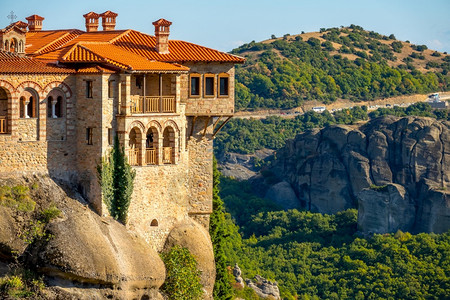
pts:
pixel 132 41
pixel 162 22
pixel 112 55
pixel 13 63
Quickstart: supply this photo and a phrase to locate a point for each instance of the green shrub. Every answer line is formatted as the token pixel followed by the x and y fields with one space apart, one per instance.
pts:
pixel 21 283
pixel 50 213
pixel 183 276
pixel 17 197
pixel 378 188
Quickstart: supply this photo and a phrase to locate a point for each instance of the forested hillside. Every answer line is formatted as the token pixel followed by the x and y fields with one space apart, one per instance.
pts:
pixel 317 256
pixel 349 63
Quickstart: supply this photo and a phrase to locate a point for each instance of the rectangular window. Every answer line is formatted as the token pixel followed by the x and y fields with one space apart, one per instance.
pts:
pixel 88 89
pixel 89 135
pixel 110 136
pixel 111 89
pixel 209 86
pixel 195 85
pixel 223 86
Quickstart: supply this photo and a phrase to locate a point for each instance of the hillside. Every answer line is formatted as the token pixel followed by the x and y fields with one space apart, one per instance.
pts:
pixel 335 63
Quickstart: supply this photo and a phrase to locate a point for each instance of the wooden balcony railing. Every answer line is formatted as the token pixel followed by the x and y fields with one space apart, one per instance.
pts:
pixel 167 155
pixel 150 156
pixel 3 124
pixel 134 157
pixel 153 104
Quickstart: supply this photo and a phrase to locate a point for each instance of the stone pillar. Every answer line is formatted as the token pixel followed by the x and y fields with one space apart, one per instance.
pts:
pixel 25 108
pixel 54 101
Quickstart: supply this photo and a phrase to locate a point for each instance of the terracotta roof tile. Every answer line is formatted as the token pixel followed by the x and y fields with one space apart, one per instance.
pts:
pixel 12 64
pixel 110 54
pixel 94 70
pixel 179 51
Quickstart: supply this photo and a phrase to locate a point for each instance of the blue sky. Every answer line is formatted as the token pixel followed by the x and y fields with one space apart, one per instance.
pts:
pixel 226 24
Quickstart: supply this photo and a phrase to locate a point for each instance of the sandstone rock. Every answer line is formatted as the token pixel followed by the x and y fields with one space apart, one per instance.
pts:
pixel 283 194
pixel 328 168
pixel 433 209
pixel 386 209
pixel 9 239
pixel 264 288
pixel 237 276
pixel 193 236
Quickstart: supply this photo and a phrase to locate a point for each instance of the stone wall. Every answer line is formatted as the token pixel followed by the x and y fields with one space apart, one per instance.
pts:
pixel 56 129
pixel 200 105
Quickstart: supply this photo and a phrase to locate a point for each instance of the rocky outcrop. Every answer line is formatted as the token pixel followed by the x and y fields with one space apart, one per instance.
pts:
pixel 191 235
pixel 81 255
pixel 237 276
pixel 334 169
pixel 241 166
pixel 385 209
pixel 264 288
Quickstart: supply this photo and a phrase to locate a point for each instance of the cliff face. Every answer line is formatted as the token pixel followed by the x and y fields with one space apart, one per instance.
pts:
pixel 394 170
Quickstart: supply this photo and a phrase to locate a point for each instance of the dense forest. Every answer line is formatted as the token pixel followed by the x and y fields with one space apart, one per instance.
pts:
pixel 348 62
pixel 316 256
pixel 245 136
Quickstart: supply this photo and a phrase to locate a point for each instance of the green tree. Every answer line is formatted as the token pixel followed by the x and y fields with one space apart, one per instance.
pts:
pixel 183 276
pixel 116 179
pixel 217 230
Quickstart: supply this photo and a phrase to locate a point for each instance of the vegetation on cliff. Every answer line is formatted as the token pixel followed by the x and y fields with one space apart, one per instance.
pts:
pixel 116 180
pixel 316 256
pixel 349 63
pixel 183 277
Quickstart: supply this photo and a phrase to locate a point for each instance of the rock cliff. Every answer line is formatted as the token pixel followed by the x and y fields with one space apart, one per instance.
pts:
pixel 395 170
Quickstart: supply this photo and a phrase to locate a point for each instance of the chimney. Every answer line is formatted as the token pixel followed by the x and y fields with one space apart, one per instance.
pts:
pixel 162 31
pixel 35 23
pixel 91 21
pixel 108 20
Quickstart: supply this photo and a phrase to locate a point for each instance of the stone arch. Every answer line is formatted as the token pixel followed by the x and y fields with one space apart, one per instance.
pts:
pixel 29 103
pixel 7 86
pixel 21 47
pixel 152 146
pixel 169 139
pixel 60 85
pixel 135 145
pixel 56 103
pixel 13 45
pixel 5 110
pixel 138 124
pixel 31 85
pixel 154 223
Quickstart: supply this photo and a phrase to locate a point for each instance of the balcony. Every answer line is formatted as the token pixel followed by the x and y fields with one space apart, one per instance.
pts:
pixel 3 128
pixel 150 156
pixel 153 104
pixel 134 157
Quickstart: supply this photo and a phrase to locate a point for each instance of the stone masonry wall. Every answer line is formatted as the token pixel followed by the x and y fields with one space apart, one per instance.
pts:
pixel 200 105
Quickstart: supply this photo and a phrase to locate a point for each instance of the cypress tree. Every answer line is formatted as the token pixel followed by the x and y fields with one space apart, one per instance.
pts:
pixel 217 231
pixel 116 179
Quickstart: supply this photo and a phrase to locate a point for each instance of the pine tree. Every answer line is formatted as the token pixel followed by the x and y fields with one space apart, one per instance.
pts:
pixel 222 287
pixel 116 179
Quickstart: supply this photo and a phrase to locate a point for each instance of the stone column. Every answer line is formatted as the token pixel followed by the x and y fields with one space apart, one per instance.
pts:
pixel 54 101
pixel 25 108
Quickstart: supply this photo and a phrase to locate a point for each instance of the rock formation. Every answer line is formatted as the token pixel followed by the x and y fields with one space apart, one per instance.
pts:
pixel 237 276
pixel 264 288
pixel 341 167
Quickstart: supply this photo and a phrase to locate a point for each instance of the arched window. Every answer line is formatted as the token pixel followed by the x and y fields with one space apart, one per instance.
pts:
pixel 55 104
pixel 13 46
pixel 28 104
pixel 169 146
pixel 134 152
pixel 151 146
pixel 3 111
pixel 6 45
pixel 154 223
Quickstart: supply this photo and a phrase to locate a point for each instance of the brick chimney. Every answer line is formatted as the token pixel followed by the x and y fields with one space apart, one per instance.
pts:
pixel 162 31
pixel 35 23
pixel 108 20
pixel 91 21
